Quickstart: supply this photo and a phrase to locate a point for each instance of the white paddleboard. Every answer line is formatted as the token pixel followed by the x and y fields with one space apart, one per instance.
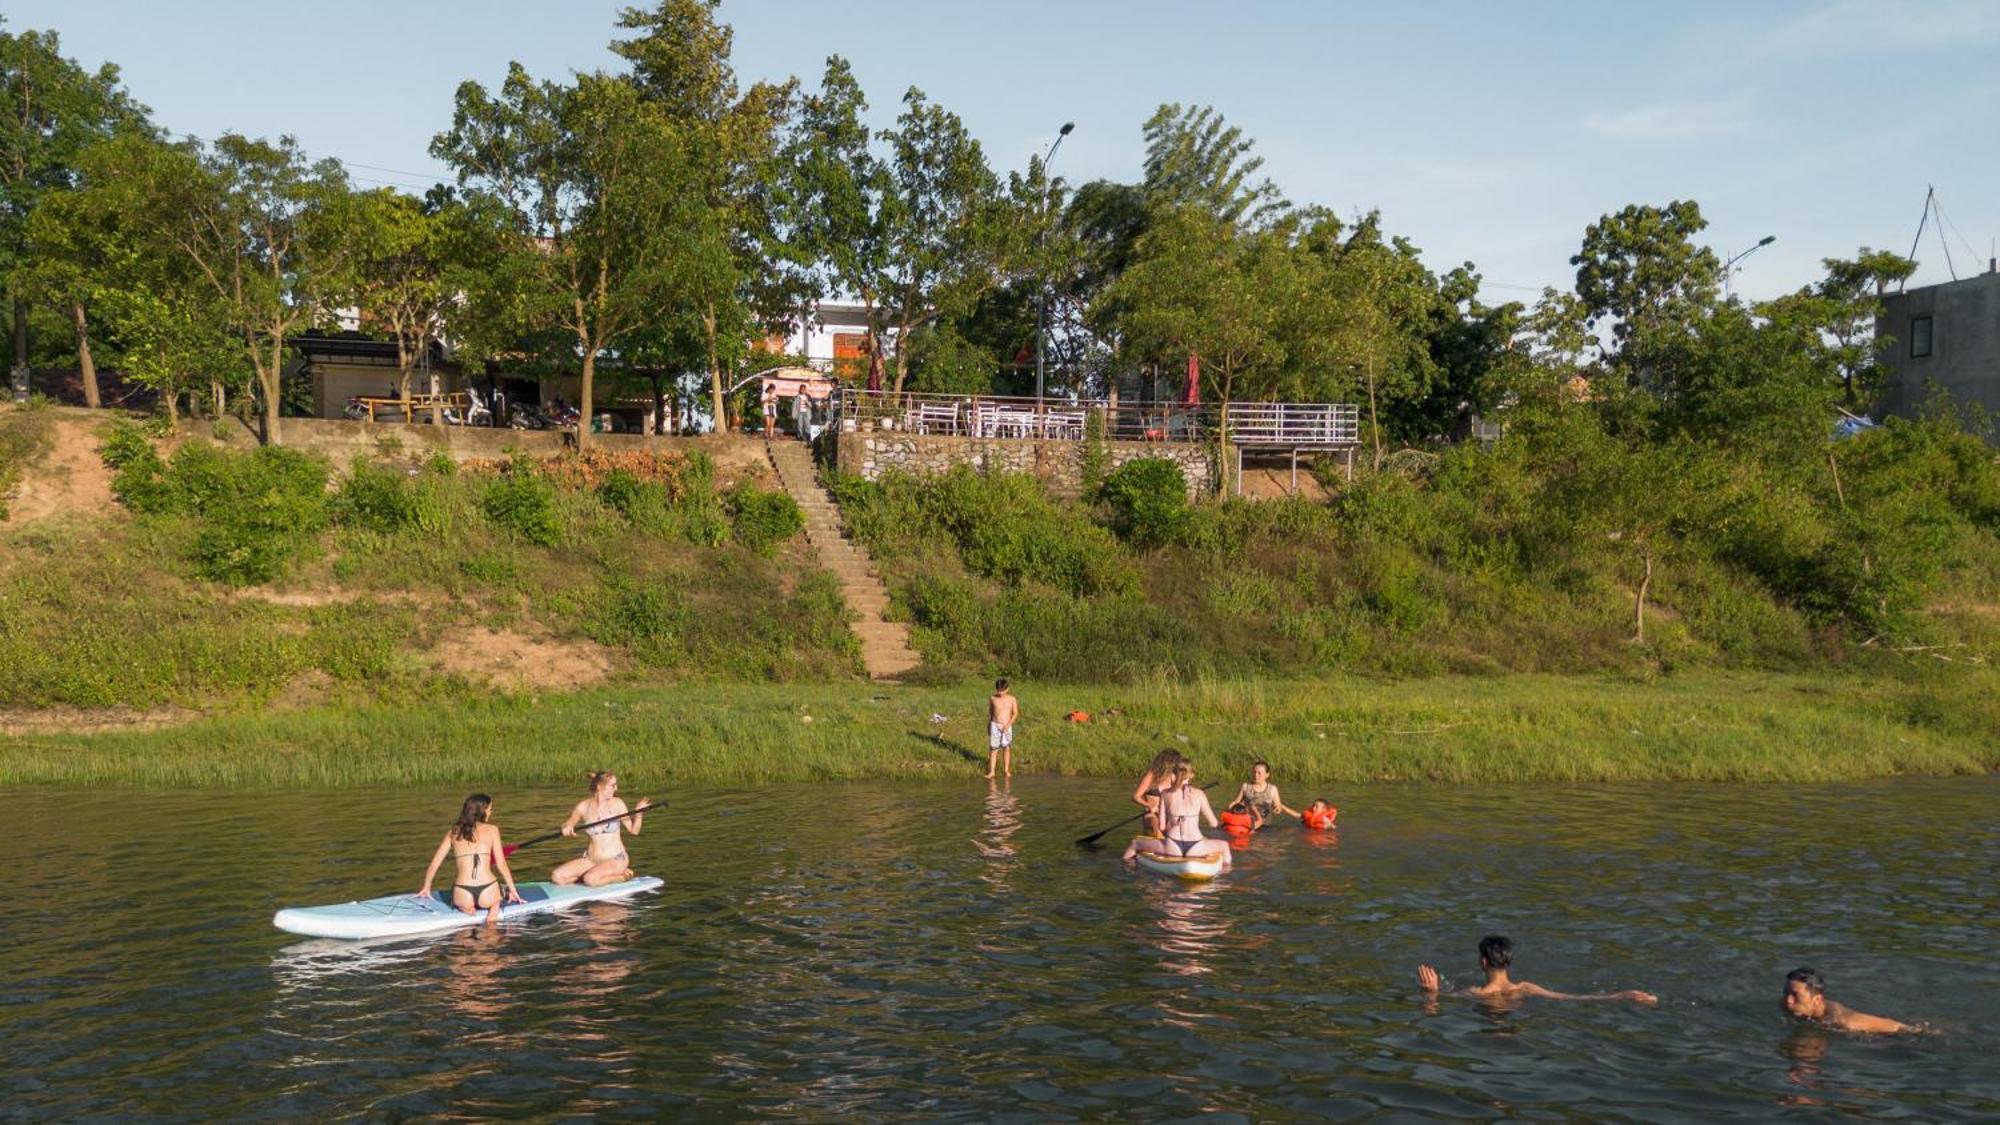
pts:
pixel 402 915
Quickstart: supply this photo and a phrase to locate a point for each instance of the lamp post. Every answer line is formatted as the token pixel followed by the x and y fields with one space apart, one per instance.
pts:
pixel 1042 298
pixel 1729 266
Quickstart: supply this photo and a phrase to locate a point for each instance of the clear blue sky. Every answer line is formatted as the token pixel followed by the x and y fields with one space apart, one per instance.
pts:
pixel 1484 131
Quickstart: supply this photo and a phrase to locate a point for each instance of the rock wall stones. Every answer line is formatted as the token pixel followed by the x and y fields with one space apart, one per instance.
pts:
pixel 1059 464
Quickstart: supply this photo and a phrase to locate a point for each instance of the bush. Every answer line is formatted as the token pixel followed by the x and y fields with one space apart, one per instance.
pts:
pixel 1148 501
pixel 376 497
pixel 140 481
pixel 524 503
pixel 762 520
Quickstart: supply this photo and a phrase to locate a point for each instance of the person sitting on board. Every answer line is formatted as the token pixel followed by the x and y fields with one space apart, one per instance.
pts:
pixel 1149 840
pixel 475 845
pixel 1147 795
pixel 1184 809
pixel 1319 814
pixel 1496 956
pixel 1261 795
pixel 1806 999
pixel 1239 820
pixel 603 859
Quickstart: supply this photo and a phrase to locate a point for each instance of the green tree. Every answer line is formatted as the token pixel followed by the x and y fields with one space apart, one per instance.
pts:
pixel 603 202
pixel 681 63
pixel 911 233
pixel 50 110
pixel 1641 270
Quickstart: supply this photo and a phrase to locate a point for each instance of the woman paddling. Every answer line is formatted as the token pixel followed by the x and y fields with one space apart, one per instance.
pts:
pixel 1261 795
pixel 1184 809
pixel 603 859
pixel 1155 777
pixel 474 845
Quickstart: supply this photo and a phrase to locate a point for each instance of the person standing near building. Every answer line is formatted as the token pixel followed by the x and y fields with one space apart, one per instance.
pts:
pixel 1001 711
pixel 770 396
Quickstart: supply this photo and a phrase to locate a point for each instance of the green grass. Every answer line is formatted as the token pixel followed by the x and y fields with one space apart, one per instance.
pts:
pixel 1317 733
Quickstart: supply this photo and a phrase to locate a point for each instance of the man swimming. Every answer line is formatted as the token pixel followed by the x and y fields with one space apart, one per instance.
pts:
pixel 1496 956
pixel 1805 999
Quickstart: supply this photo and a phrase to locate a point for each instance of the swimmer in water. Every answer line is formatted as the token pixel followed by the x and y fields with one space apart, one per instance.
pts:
pixel 1806 999
pixel 1496 956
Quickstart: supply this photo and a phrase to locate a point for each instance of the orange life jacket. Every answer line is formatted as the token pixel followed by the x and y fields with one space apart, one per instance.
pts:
pixel 1322 819
pixel 1236 821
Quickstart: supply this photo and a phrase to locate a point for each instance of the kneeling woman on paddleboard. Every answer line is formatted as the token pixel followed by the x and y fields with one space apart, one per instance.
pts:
pixel 1184 809
pixel 603 859
pixel 474 845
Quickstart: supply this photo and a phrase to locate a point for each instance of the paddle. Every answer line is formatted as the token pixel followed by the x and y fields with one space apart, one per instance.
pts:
pixel 1086 841
pixel 510 849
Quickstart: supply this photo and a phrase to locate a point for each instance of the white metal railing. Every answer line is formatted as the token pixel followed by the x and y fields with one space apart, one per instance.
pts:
pixel 1304 425
pixel 1294 425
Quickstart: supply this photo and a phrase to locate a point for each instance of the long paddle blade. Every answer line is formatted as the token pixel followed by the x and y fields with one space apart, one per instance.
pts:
pixel 545 837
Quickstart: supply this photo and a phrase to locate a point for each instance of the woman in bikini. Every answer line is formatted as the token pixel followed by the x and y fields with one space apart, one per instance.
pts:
pixel 1261 795
pixel 1155 777
pixel 1184 809
pixel 603 859
pixel 474 844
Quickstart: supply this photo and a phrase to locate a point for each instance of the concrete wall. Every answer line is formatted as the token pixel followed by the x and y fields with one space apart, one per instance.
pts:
pixel 736 458
pixel 1965 345
pixel 1058 463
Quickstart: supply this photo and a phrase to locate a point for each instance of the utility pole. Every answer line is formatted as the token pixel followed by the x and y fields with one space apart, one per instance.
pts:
pixel 1042 297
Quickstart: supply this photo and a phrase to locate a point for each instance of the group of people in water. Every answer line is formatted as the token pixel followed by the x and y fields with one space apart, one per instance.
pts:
pixel 473 844
pixel 1175 810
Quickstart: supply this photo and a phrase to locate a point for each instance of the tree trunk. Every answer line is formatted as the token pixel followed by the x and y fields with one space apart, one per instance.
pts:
pixel 584 387
pixel 717 396
pixel 19 372
pixel 1639 603
pixel 173 400
pixel 659 402
pixel 84 361
pixel 271 380
pixel 1374 418
pixel 217 398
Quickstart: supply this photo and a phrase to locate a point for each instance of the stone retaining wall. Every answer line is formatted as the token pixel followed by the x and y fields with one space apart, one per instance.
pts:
pixel 1058 463
pixel 736 457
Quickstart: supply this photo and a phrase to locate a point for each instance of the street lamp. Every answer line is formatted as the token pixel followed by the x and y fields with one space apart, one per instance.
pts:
pixel 1042 298
pixel 1730 265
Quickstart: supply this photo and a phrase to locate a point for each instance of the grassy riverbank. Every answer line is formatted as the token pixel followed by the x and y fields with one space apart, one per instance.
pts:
pixel 1323 732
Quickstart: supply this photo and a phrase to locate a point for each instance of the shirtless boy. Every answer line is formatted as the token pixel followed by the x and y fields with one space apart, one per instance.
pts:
pixel 1496 955
pixel 1001 711
pixel 1805 999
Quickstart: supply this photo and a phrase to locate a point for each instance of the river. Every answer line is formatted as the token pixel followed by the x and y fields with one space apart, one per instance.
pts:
pixel 945 951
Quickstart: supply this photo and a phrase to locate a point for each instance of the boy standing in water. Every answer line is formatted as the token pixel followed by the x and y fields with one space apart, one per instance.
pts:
pixel 1001 711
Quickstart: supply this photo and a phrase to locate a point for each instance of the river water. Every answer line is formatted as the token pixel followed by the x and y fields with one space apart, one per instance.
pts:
pixel 945 951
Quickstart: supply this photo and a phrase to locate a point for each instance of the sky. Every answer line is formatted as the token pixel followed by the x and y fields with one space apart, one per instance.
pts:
pixel 1485 132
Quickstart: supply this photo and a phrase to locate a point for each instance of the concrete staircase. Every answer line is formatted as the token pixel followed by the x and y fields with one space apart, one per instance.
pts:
pixel 885 645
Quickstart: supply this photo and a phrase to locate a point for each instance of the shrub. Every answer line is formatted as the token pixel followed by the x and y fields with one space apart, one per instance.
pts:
pixel 140 480
pixel 762 520
pixel 1148 501
pixel 523 502
pixel 621 490
pixel 376 497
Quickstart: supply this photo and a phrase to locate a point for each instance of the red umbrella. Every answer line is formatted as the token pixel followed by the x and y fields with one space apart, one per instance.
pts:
pixel 1194 381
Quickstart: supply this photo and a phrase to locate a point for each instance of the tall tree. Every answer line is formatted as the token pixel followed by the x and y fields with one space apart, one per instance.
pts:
pixel 910 233
pixel 265 228
pixel 1641 270
pixel 50 110
pixel 681 63
pixel 407 269
pixel 605 207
